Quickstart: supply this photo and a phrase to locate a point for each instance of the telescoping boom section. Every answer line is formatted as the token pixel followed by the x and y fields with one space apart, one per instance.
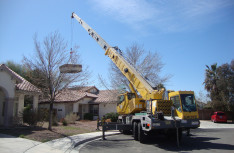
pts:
pixel 134 77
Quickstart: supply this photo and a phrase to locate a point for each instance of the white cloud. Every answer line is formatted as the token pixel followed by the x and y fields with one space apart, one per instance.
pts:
pixel 128 11
pixel 169 16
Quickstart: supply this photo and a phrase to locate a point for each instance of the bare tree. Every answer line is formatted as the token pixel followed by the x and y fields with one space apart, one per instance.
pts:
pixel 44 68
pixel 148 63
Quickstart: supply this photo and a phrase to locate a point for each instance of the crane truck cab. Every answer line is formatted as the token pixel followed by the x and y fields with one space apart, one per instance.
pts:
pixel 184 103
pixel 130 103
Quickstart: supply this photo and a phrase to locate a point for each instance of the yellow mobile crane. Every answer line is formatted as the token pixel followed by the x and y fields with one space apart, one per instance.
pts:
pixel 154 109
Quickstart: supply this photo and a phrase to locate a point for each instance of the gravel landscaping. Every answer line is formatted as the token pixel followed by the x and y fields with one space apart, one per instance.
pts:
pixel 42 134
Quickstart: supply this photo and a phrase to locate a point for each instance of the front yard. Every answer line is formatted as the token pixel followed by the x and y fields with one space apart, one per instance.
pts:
pixel 42 134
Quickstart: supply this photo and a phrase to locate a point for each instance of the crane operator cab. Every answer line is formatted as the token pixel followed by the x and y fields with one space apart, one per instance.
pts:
pixel 130 103
pixel 184 103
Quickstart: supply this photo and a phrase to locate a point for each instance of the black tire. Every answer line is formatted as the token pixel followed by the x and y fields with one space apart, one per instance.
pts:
pixel 188 132
pixel 141 134
pixel 135 131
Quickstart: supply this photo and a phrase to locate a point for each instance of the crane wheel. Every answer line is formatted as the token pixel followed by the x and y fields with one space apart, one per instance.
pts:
pixel 141 134
pixel 135 131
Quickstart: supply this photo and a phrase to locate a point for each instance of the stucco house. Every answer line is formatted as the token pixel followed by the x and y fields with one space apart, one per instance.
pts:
pixel 82 100
pixel 13 89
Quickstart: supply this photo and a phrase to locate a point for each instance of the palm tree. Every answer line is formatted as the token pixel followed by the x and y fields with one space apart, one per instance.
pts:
pixel 211 78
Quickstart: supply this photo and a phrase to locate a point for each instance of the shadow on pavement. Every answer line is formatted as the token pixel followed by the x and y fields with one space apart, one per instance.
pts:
pixel 188 143
pixel 196 142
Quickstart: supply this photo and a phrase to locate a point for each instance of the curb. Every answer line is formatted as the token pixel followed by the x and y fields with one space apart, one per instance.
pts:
pixel 93 138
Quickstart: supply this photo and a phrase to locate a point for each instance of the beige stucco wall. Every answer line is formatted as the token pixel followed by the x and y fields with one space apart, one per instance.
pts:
pixel 59 107
pixel 14 99
pixel 35 101
pixel 106 108
pixel 7 83
pixel 2 98
pixel 85 100
pixel 7 86
pixel 20 103
pixel 66 108
pixel 75 107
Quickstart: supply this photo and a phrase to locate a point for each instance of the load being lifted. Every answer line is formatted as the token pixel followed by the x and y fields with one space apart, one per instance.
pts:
pixel 147 109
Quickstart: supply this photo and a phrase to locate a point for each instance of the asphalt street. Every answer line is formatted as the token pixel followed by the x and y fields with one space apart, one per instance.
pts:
pixel 201 140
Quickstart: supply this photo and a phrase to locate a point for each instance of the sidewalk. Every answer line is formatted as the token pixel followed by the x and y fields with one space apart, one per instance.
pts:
pixel 9 144
pixel 210 125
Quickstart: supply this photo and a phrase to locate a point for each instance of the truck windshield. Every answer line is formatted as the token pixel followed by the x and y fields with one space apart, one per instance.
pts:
pixel 121 99
pixel 131 95
pixel 176 102
pixel 188 102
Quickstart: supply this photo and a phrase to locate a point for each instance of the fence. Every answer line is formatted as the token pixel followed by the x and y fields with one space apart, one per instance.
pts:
pixel 205 114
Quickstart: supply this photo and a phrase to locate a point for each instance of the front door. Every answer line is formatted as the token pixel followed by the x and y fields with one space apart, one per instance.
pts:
pixel 2 107
pixel 80 112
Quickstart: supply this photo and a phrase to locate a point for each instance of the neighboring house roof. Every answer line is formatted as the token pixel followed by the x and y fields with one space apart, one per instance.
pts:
pixel 83 88
pixel 72 95
pixel 21 83
pixel 107 96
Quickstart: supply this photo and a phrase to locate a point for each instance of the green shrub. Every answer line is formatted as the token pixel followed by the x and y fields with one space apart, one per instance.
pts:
pixel 71 118
pixel 32 116
pixel 54 123
pixel 88 116
pixel 22 136
pixel 113 116
pixel 64 122
pixel 43 114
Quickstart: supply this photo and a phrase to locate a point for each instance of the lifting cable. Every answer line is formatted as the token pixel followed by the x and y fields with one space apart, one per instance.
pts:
pixel 71 43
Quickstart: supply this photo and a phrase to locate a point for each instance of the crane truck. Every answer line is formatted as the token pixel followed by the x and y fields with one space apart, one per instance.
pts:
pixel 147 109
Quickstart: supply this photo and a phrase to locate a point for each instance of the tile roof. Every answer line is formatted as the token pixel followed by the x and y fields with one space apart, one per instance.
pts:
pixel 21 84
pixel 71 95
pixel 107 96
pixel 83 88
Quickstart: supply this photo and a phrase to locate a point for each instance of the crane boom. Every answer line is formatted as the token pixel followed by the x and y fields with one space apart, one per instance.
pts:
pixel 92 33
pixel 140 83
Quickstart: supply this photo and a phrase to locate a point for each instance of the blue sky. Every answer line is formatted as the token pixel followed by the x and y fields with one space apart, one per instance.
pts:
pixel 188 34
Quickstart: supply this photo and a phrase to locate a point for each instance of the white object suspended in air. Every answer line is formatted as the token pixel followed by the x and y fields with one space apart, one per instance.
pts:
pixel 70 68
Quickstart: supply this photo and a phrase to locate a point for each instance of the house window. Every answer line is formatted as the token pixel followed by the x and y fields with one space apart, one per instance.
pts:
pixel 94 109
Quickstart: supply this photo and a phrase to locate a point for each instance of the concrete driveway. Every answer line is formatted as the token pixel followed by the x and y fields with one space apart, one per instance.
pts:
pixel 10 144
